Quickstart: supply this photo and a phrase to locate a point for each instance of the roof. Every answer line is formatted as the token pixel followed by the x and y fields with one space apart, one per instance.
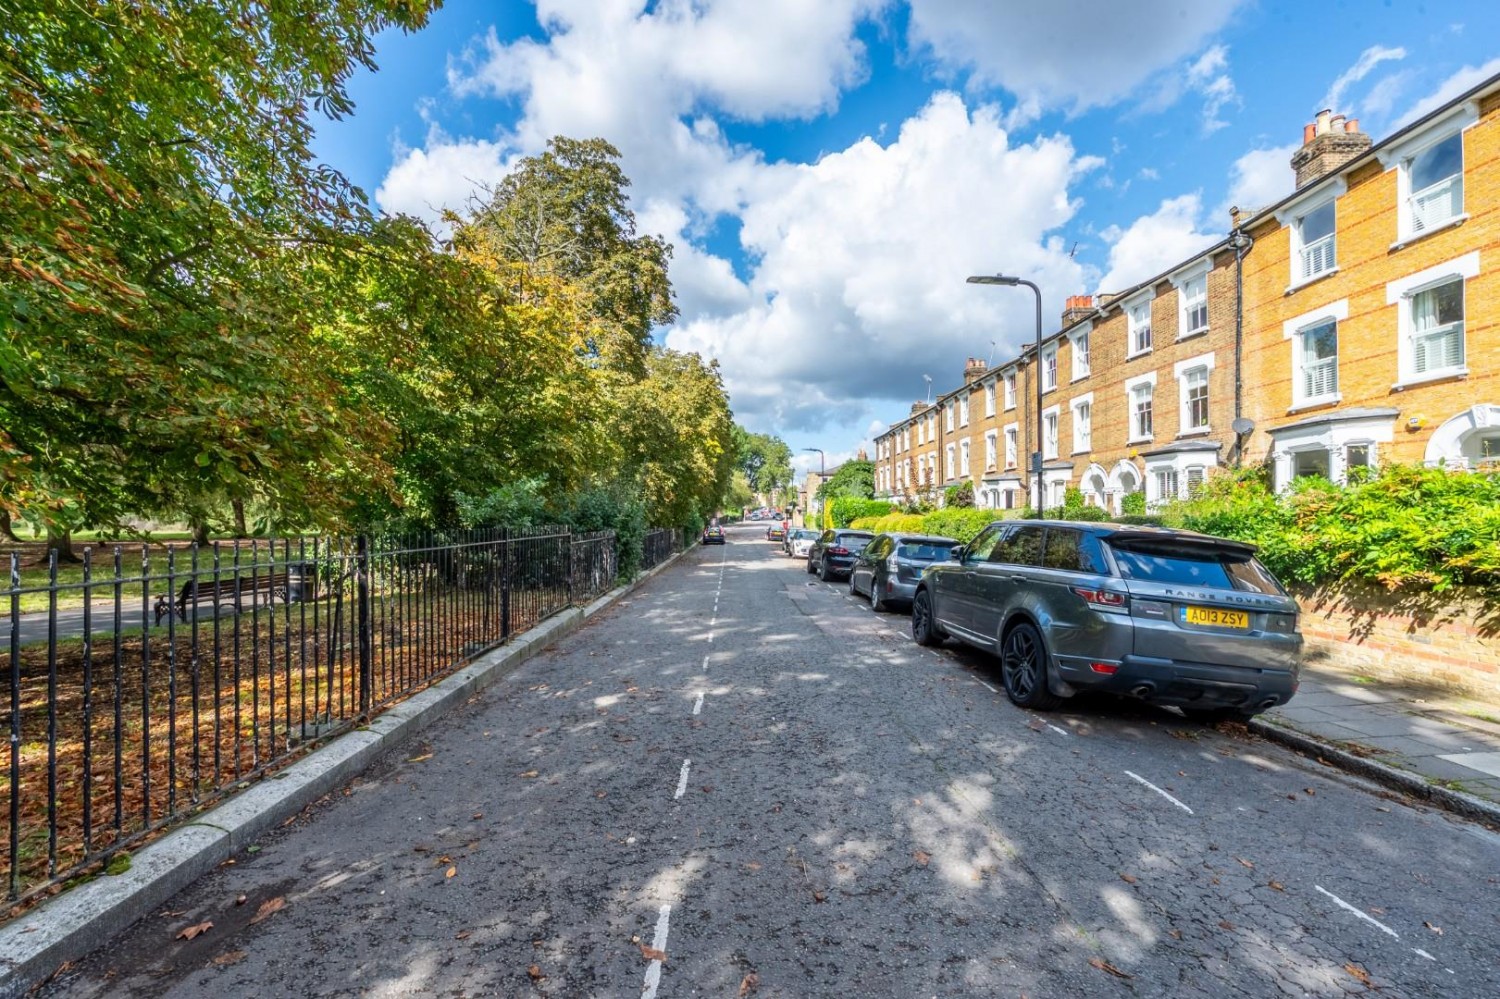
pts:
pixel 1340 416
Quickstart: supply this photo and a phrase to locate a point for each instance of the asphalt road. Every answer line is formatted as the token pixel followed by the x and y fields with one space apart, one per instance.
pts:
pixel 756 776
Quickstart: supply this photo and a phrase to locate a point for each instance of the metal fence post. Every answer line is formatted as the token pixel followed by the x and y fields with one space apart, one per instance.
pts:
pixel 362 582
pixel 505 561
pixel 568 543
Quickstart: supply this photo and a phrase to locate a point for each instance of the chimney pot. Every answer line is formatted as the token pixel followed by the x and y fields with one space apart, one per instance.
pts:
pixel 1352 125
pixel 1336 123
pixel 1323 117
pixel 1308 131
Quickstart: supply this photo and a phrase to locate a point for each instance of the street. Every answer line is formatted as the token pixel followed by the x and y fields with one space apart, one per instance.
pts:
pixel 740 781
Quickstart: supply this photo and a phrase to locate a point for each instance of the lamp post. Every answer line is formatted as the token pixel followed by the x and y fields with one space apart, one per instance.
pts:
pixel 822 464
pixel 1036 456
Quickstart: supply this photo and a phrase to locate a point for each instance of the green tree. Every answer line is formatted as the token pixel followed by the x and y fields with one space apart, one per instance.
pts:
pixel 765 459
pixel 853 478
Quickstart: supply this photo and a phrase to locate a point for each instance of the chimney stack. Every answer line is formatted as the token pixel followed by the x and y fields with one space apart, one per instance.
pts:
pixel 918 406
pixel 1328 143
pixel 974 370
pixel 1078 307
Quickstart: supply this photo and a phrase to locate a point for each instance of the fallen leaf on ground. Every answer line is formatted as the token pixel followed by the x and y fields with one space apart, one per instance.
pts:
pixel 450 872
pixel 1128 878
pixel 230 957
pixel 1036 725
pixel 652 954
pixel 477 816
pixel 1108 968
pixel 1359 973
pixel 529 773
pixel 535 973
pixel 1308 790
pixel 1225 924
pixel 706 788
pixel 1276 885
pixel 752 866
pixel 1436 929
pixel 921 857
pixel 422 849
pixel 819 896
pixel 267 907
pixel 1175 934
pixel 197 929
pixel 1245 863
pixel 419 759
pixel 749 983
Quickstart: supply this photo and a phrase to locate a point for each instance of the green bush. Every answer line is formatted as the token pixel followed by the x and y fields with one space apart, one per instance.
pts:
pixel 959 494
pixel 844 510
pixel 1133 504
pixel 890 522
pixel 961 522
pixel 1407 526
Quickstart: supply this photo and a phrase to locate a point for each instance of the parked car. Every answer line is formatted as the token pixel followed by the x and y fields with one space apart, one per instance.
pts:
pixel 1171 617
pixel 798 541
pixel 834 552
pixel 775 532
pixel 888 569
pixel 713 534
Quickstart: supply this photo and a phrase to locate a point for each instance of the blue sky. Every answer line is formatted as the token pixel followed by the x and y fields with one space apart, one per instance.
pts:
pixel 829 171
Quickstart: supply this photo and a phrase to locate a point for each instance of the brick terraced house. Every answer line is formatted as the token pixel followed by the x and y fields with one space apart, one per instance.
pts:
pixel 1351 322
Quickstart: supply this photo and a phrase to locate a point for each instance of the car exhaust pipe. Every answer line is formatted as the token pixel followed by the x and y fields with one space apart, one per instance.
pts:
pixel 1269 702
pixel 1142 690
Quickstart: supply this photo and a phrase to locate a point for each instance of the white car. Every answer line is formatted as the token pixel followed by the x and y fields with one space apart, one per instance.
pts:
pixel 800 541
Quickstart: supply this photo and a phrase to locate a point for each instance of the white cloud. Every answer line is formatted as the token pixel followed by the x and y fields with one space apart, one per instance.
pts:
pixel 1367 61
pixel 1155 242
pixel 445 174
pixel 1382 97
pixel 1050 53
pixel 1258 178
pixel 861 259
pixel 1209 76
pixel 1149 173
pixel 1461 82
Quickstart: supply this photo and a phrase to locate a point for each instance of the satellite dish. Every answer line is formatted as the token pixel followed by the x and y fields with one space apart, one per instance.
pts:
pixel 1242 426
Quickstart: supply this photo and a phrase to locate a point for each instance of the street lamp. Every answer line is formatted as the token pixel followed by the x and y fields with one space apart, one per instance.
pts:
pixel 822 464
pixel 1036 456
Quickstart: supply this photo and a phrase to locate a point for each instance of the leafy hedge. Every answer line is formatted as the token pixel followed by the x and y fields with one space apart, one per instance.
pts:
pixel 1408 527
pixel 844 510
pixel 953 522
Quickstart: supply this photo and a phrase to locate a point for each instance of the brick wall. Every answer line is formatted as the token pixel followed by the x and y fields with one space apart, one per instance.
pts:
pixel 1446 641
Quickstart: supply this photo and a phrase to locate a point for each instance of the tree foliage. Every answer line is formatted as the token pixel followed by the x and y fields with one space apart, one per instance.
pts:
pixel 853 478
pixel 765 459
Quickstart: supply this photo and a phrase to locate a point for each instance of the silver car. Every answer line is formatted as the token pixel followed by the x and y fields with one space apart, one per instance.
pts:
pixel 888 569
pixel 1171 617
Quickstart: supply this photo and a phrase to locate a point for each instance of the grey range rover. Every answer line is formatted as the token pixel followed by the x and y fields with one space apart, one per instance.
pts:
pixel 1170 617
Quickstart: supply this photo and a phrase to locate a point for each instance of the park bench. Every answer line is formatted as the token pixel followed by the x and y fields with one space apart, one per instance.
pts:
pixel 230 591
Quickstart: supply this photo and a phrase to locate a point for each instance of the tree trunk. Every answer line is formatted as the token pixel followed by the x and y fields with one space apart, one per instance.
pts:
pixel 200 532
pixel 60 540
pixel 240 530
pixel 6 530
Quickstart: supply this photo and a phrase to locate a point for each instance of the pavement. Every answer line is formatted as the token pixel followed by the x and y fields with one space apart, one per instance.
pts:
pixel 1449 743
pixel 739 781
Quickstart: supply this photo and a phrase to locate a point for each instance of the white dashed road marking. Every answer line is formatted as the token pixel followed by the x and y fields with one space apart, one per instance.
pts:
pixel 987 686
pixel 658 942
pixel 682 779
pixel 698 704
pixel 1362 915
pixel 1142 780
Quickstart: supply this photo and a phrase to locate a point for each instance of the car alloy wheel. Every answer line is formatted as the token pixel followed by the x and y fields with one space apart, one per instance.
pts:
pixel 923 627
pixel 876 604
pixel 1023 669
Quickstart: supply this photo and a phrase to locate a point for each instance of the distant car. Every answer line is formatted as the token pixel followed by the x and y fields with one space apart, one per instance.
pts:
pixel 834 552
pixel 1171 617
pixel 888 570
pixel 775 532
pixel 713 534
pixel 798 541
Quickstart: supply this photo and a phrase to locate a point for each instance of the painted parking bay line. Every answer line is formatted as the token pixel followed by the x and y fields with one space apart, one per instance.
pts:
pixel 1139 779
pixel 682 778
pixel 658 943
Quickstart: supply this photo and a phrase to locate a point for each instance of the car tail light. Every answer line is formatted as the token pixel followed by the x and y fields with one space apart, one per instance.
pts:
pixel 838 551
pixel 1101 598
pixel 1107 669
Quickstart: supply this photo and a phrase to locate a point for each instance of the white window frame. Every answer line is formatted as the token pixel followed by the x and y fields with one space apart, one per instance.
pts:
pixel 1180 371
pixel 1325 245
pixel 1049 367
pixel 1012 445
pixel 1401 294
pixel 1398 156
pixel 1131 384
pixel 1010 388
pixel 989 398
pixel 1134 307
pixel 948 416
pixel 1083 426
pixel 1183 281
pixel 991 450
pixel 1334 436
pixel 963 410
pixel 1292 330
pixel 1079 339
pixel 1051 432
pixel 963 458
pixel 950 467
pixel 1180 464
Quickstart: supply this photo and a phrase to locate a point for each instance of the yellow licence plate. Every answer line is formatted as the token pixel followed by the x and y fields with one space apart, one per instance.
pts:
pixel 1217 618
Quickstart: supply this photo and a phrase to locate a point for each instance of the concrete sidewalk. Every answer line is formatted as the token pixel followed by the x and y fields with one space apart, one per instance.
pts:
pixel 1443 748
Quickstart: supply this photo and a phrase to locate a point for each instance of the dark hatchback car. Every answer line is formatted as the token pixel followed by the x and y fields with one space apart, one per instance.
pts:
pixel 1170 617
pixel 889 568
pixel 713 534
pixel 834 552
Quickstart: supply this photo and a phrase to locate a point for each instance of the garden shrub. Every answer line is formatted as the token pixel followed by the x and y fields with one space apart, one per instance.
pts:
pixel 844 510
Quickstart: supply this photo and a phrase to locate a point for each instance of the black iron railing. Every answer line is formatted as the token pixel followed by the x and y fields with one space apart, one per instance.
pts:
pixel 660 544
pixel 142 687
